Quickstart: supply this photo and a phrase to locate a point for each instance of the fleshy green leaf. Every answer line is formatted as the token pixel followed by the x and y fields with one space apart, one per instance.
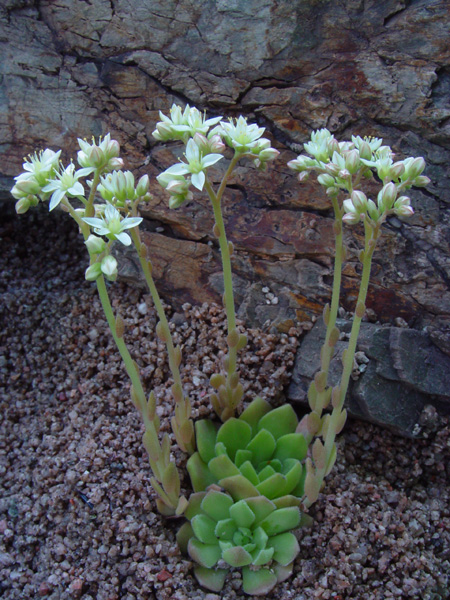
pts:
pixel 239 487
pixel 194 505
pixel 242 514
pixel 262 557
pixel 237 556
pixel 211 579
pixel 266 472
pixel 204 527
pixel 280 421
pixel 254 411
pixel 285 547
pixel 205 435
pixel 201 476
pixel 184 535
pixel 225 529
pixel 261 506
pixel 248 471
pixel 262 447
pixel 235 434
pixel 271 486
pixel 282 519
pixel 222 466
pixel 291 445
pixel 217 505
pixel 242 456
pixel 258 582
pixel 205 555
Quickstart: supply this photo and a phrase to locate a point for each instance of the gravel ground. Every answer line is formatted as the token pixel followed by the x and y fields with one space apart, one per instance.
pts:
pixel 77 513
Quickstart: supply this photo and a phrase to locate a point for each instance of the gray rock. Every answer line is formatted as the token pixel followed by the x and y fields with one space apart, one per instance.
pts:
pixel 401 372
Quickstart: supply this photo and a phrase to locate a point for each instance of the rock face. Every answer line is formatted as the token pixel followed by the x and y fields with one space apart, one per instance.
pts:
pixel 398 373
pixel 75 69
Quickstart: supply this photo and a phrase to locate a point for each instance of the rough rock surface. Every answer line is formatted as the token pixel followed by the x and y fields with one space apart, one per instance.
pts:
pixel 398 374
pixel 74 69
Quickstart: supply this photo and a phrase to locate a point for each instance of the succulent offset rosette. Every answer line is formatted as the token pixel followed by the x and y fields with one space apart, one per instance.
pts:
pixel 251 533
pixel 258 453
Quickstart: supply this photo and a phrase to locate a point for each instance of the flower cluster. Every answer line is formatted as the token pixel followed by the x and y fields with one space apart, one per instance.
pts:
pixel 204 148
pixel 343 166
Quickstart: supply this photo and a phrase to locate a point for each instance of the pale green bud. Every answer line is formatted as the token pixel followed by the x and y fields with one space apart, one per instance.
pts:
pixel 93 272
pixel 95 244
pixel 397 170
pixel 421 181
pixel 22 205
pixel 142 186
pixel 359 201
pixel 96 157
pixel 109 267
pixel 372 210
pixel 326 180
pixel 386 197
pixel 352 161
pixel 365 151
pixel 25 187
pixel 414 167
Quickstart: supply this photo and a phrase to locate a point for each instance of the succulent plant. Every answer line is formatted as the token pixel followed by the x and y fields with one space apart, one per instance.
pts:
pixel 250 533
pixel 258 453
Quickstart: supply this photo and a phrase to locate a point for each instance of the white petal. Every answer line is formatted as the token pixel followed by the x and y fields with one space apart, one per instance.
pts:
pixel 178 169
pixel 56 198
pixel 124 238
pixel 198 180
pixel 130 222
pixel 211 159
pixel 110 212
pixel 93 221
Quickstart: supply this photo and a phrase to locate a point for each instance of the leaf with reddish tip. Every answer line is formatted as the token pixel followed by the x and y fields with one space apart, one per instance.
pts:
pixel 237 556
pixel 184 535
pixel 205 555
pixel 258 582
pixel 261 506
pixel 211 579
pixel 239 487
pixel 282 572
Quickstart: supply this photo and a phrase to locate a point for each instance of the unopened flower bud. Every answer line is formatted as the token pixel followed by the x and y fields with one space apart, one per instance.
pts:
pixel 421 181
pixel 22 205
pixel 93 272
pixel 386 197
pixel 397 170
pixel 352 161
pixel 216 145
pixel 96 157
pixel 112 149
pixel 404 211
pixel 415 167
pixel 142 186
pixel 109 267
pixel 115 164
pixel 372 210
pixel 95 244
pixel 344 174
pixel 365 151
pixel 359 201
pixel 25 187
pixel 326 180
